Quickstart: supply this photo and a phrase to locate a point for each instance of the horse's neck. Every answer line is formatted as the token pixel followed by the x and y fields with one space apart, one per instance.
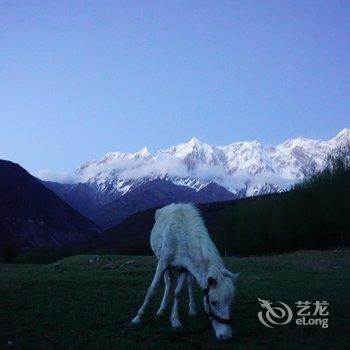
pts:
pixel 205 260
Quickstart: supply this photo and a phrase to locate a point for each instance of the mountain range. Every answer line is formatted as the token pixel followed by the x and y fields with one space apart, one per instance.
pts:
pixel 32 215
pixel 120 184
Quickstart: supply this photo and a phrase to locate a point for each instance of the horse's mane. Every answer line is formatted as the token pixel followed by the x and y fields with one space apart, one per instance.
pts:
pixel 209 249
pixel 197 228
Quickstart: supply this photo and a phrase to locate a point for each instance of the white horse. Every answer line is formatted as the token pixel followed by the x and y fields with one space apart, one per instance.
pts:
pixel 181 243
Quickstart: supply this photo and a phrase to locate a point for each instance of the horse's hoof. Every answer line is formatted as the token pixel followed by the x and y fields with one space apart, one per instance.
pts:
pixel 176 323
pixel 160 314
pixel 136 321
pixel 192 313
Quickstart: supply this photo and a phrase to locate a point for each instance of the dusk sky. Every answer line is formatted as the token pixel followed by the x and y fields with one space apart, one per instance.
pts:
pixel 81 78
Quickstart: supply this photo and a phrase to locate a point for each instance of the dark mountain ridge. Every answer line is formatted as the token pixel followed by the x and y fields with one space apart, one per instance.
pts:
pixel 32 215
pixel 156 193
pixel 153 193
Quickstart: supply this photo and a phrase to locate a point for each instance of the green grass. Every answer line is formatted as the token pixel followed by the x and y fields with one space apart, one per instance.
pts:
pixel 71 304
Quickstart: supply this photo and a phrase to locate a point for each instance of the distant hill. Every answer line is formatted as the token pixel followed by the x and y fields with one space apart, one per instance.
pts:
pixel 32 215
pixel 157 193
pixel 132 235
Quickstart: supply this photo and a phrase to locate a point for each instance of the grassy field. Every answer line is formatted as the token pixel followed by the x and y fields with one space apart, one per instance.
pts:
pixel 74 304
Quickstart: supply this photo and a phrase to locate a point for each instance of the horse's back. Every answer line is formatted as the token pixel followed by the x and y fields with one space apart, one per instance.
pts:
pixel 172 224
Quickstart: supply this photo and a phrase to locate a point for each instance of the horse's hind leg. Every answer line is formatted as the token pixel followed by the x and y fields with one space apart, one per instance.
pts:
pixel 174 318
pixel 161 267
pixel 191 300
pixel 169 282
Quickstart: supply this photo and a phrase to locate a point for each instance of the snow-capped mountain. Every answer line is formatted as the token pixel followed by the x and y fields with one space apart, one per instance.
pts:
pixel 240 169
pixel 241 166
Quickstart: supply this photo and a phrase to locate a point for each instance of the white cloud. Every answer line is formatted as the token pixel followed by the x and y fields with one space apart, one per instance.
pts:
pixel 124 168
pixel 131 168
pixel 162 166
pixel 56 176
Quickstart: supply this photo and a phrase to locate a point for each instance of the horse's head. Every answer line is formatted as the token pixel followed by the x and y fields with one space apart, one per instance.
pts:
pixel 218 298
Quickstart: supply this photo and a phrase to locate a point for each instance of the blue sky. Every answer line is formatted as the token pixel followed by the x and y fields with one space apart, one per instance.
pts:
pixel 81 78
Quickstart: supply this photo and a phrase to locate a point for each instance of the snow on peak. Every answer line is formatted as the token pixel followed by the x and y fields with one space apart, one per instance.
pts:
pixel 183 149
pixel 343 135
pixel 194 141
pixel 108 157
pixel 143 153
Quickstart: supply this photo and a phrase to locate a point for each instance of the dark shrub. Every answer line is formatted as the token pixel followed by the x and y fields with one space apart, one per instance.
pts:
pixel 9 252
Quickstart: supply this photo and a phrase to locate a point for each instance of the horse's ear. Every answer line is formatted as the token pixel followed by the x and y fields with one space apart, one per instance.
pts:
pixel 156 215
pixel 234 276
pixel 211 281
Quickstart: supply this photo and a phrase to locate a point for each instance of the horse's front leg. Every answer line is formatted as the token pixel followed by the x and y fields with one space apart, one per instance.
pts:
pixel 161 267
pixel 174 318
pixel 169 283
pixel 191 300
